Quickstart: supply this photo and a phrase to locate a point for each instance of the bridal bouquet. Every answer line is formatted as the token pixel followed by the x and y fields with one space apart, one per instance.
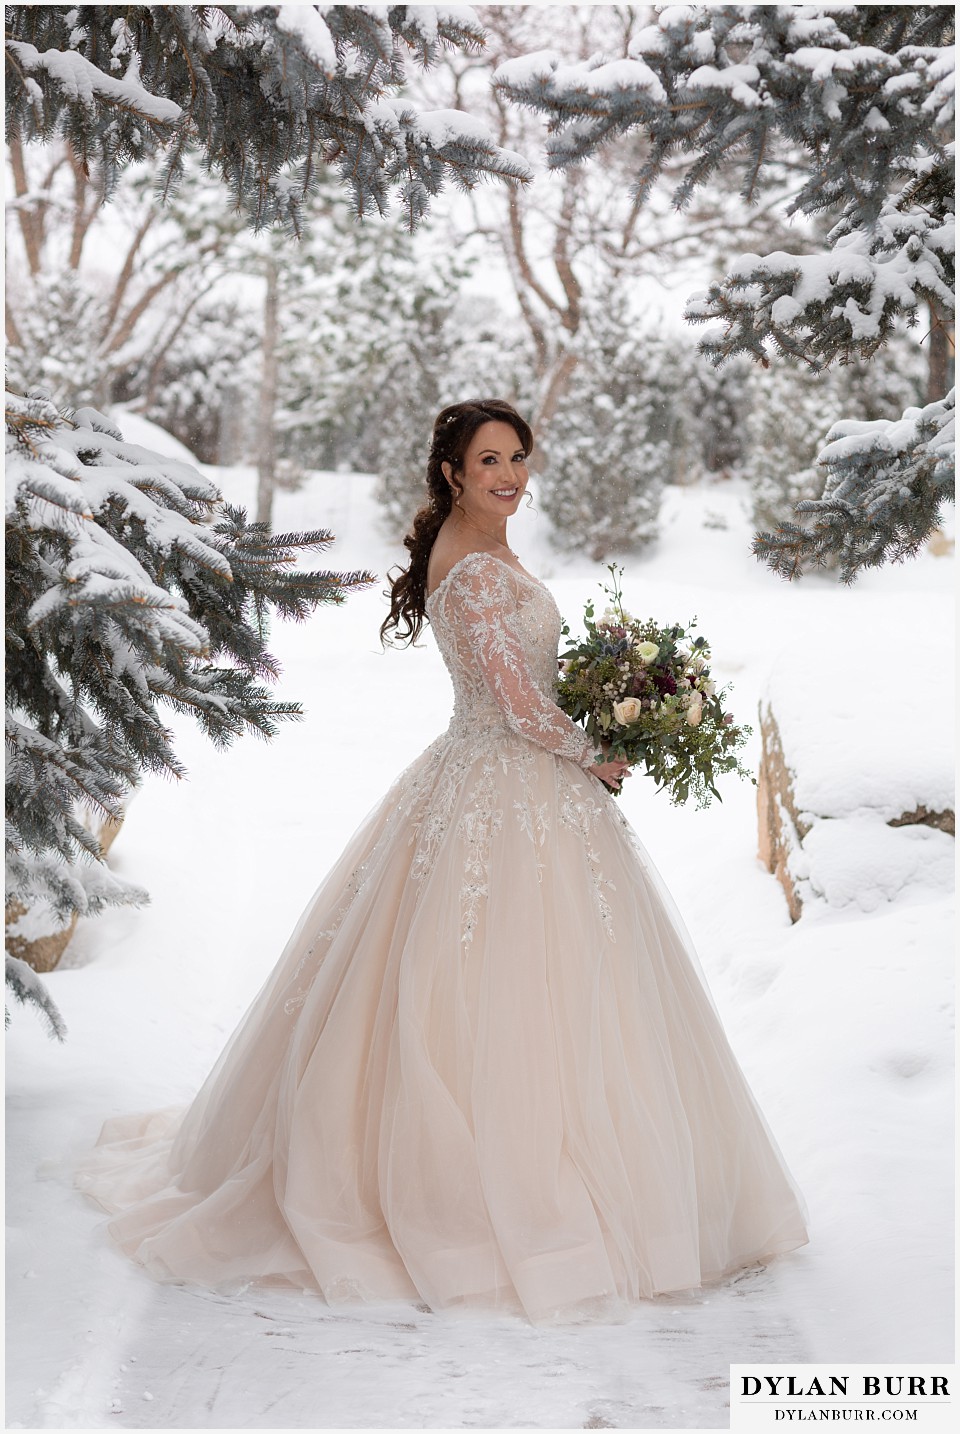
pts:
pixel 646 692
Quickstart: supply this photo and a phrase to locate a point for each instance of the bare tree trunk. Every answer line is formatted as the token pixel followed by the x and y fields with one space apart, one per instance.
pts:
pixel 267 445
pixel 10 324
pixel 939 356
pixel 31 225
pixel 555 389
pixel 86 203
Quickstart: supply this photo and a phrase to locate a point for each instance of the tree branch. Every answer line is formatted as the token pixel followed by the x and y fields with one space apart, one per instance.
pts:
pixel 561 251
pixel 82 216
pixel 133 314
pixel 163 348
pixel 524 269
pixel 126 273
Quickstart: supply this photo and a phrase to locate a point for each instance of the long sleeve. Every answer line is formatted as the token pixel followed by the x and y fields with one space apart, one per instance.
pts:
pixel 481 604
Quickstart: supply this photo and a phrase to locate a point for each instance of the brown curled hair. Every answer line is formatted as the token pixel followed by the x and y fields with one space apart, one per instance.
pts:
pixel 453 429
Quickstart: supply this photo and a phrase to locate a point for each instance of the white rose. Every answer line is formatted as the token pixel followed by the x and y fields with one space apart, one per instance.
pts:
pixel 647 651
pixel 694 713
pixel 627 711
pixel 709 687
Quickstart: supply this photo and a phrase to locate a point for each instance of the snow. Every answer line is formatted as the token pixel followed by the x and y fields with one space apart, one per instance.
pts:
pixel 63 492
pixel 897 437
pixel 621 75
pixel 439 128
pixel 304 24
pixel 863 862
pixel 889 277
pixel 866 719
pixel 842 1024
pixel 738 79
pixel 544 67
pixel 822 64
pixel 80 80
pixel 527 69
pixel 36 922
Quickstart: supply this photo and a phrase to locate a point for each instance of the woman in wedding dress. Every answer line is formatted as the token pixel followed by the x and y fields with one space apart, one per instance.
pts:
pixel 486 1070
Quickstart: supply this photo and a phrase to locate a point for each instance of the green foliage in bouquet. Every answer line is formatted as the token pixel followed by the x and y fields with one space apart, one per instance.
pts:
pixel 646 693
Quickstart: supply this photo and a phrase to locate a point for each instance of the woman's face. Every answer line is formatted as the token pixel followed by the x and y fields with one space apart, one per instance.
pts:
pixel 494 473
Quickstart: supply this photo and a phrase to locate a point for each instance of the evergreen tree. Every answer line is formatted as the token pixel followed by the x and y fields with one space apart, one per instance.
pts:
pixel 716 417
pixel 126 575
pixel 266 95
pixel 791 409
pixel 865 94
pixel 130 586
pixel 363 312
pixel 608 446
pixel 195 388
pixel 26 987
pixel 52 348
pixel 469 349
pixel 377 337
pixel 97 294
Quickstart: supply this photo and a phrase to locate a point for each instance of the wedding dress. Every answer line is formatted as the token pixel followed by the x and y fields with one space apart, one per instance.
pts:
pixel 486 1070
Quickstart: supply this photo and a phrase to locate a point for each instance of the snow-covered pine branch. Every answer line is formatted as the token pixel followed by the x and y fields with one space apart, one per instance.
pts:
pixel 863 89
pixel 266 94
pixel 886 483
pixel 865 95
pixel 25 985
pixel 127 578
pixel 819 307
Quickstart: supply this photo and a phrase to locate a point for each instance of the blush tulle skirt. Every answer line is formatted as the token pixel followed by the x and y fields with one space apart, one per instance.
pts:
pixel 485 1072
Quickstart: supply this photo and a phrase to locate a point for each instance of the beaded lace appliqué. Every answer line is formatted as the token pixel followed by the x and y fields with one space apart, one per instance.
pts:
pixel 498 632
pixel 580 812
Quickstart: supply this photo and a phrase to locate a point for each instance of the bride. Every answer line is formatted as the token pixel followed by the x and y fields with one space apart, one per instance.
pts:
pixel 485 1070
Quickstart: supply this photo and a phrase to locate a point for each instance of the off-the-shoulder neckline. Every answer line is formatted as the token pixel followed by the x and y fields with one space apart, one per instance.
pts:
pixel 479 553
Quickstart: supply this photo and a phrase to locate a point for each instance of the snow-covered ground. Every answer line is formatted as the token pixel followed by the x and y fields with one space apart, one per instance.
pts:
pixel 842 1023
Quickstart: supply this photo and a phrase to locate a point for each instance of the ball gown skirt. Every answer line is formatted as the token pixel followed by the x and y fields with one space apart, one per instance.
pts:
pixel 486 1070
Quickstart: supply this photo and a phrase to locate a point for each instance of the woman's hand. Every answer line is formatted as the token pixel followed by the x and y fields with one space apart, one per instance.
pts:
pixel 612 773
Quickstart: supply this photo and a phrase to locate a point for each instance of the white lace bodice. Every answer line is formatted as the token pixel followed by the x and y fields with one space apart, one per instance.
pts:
pixel 498 630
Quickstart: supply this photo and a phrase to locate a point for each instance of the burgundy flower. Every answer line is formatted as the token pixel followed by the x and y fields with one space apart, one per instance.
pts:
pixel 665 683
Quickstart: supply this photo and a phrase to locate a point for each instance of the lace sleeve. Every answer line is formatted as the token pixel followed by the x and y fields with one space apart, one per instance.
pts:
pixel 482 602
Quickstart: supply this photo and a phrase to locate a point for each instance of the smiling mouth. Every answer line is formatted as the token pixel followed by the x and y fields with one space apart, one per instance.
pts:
pixel 504 492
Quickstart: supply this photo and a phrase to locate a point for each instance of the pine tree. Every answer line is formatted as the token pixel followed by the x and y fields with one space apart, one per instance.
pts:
pixel 463 349
pixel 791 410
pixel 361 351
pixel 716 417
pixel 377 337
pixel 864 94
pixel 127 575
pixel 608 447
pixel 96 294
pixel 195 389
pixel 130 586
pixel 266 95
